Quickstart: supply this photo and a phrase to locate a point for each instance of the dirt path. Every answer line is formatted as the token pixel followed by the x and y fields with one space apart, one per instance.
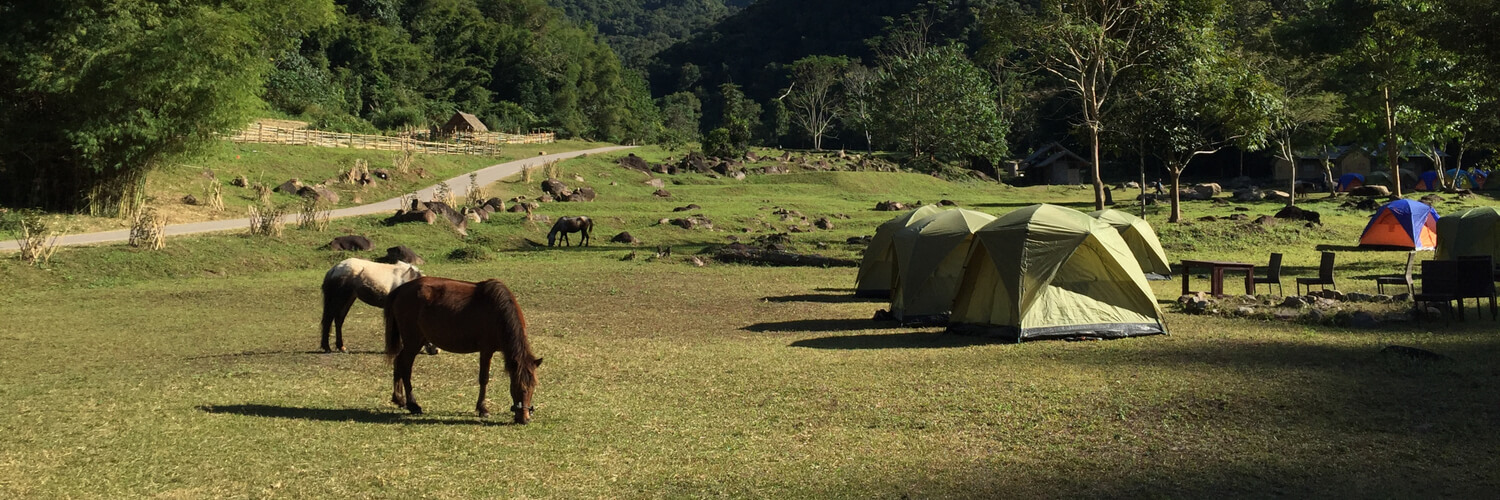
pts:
pixel 487 175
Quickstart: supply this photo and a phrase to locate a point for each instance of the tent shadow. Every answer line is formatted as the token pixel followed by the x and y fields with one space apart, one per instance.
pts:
pixel 824 298
pixel 821 325
pixel 360 415
pixel 909 340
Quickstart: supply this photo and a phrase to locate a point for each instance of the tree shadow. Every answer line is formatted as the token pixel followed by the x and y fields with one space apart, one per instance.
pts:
pixel 360 415
pixel 821 325
pixel 824 298
pixel 909 340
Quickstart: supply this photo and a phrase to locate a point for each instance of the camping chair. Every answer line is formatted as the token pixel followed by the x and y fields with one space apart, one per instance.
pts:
pixel 1439 285
pixel 1477 281
pixel 1382 281
pixel 1325 276
pixel 1273 275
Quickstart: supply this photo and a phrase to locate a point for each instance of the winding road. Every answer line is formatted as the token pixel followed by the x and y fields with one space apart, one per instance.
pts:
pixel 487 175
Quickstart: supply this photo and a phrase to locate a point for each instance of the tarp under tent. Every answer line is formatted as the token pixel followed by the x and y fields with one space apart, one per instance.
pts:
pixel 1046 271
pixel 1350 181
pixel 1475 231
pixel 929 263
pixel 1462 179
pixel 1383 178
pixel 1138 234
pixel 874 279
pixel 1406 224
pixel 1428 181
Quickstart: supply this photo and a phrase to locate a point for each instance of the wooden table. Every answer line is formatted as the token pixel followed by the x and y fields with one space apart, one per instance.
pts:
pixel 1217 272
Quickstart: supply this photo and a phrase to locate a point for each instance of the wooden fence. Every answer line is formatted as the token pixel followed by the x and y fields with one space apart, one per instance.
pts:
pixel 486 144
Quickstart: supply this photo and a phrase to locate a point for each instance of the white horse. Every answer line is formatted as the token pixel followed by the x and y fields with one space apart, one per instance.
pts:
pixel 370 282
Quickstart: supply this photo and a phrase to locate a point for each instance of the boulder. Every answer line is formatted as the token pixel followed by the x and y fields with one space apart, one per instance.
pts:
pixel 1363 319
pixel 556 188
pixel 401 253
pixel 890 206
pixel 823 223
pixel 1370 190
pixel 662 193
pixel 1250 194
pixel 426 216
pixel 1239 217
pixel 655 182
pixel 190 200
pixel 381 174
pixel 690 206
pixel 1212 187
pixel 1431 199
pixel 289 187
pixel 625 237
pixel 351 243
pixel 1295 213
pixel 1277 195
pixel 240 181
pixel 582 194
pixel 319 193
pixel 633 162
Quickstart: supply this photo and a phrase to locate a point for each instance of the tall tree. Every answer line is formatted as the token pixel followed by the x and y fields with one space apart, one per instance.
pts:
pixel 99 94
pixel 681 113
pixel 937 105
pixel 813 97
pixel 859 100
pixel 1089 45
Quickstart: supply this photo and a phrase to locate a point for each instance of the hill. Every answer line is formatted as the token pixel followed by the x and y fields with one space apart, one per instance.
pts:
pixel 638 29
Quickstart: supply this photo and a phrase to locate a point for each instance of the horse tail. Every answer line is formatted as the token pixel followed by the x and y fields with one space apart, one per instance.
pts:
pixel 392 329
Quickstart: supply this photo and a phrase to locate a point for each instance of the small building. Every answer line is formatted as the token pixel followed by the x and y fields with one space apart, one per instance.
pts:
pixel 463 122
pixel 1055 164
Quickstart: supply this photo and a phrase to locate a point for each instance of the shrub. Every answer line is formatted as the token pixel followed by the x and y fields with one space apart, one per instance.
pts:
pixel 471 253
pixel 717 143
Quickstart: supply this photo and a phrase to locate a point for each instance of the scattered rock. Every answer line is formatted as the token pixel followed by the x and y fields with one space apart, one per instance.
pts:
pixel 1277 195
pixel 633 162
pixel 696 261
pixel 690 206
pixel 319 193
pixel 662 193
pixel 1315 316
pixel 350 243
pixel 1431 199
pixel 1295 213
pixel 947 203
pixel 1208 218
pixel 289 187
pixel 625 237
pixel 859 240
pixel 556 189
pixel 694 222
pixel 381 174
pixel 401 253
pixel 1370 190
pixel 1245 311
pixel 583 194
pixel 190 200
pixel 1293 302
pixel 890 206
pixel 1363 319
pixel 1239 217
pixel 240 181
pixel 823 223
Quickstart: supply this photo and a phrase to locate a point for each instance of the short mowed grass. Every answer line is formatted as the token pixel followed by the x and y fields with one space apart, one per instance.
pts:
pixel 192 371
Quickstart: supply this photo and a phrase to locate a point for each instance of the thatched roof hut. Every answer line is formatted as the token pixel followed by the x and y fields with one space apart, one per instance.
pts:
pixel 463 122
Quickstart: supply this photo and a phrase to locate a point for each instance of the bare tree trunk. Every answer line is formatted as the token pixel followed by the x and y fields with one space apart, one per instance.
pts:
pixel 1098 181
pixel 1328 174
pixel 1142 155
pixel 1390 143
pixel 1175 171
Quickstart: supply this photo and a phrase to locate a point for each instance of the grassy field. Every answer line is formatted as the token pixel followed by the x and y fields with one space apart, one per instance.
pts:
pixel 191 372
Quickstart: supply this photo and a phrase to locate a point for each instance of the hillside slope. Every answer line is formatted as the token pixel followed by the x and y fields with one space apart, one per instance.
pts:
pixel 638 29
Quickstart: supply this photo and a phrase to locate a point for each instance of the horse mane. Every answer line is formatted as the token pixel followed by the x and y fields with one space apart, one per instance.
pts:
pixel 519 352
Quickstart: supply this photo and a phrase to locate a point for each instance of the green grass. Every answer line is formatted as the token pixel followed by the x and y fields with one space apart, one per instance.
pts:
pixel 190 372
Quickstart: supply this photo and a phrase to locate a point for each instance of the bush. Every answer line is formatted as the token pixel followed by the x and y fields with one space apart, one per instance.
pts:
pixel 398 118
pixel 717 143
pixel 471 253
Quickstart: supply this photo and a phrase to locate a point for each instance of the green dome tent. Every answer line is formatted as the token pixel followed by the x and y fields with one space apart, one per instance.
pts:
pixel 1141 239
pixel 1049 271
pixel 929 263
pixel 874 279
pixel 1475 231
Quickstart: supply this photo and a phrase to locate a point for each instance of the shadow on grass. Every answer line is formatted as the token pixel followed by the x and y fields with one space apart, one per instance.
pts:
pixel 824 298
pixel 821 325
pixel 911 340
pixel 250 354
pixel 361 415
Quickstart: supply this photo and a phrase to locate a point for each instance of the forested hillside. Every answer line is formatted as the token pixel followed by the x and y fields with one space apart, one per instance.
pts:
pixel 638 29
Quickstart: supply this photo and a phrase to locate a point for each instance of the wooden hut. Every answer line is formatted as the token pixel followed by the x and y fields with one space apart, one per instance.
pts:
pixel 1055 164
pixel 463 122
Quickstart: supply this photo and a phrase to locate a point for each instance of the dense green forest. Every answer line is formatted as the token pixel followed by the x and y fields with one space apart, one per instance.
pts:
pixel 943 84
pixel 638 29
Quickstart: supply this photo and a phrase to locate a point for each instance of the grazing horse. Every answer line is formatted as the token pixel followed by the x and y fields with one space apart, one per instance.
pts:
pixel 368 281
pixel 459 316
pixel 572 224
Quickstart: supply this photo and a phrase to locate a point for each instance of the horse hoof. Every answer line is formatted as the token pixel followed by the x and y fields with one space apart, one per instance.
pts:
pixel 399 401
pixel 484 414
pixel 414 408
pixel 431 350
pixel 342 349
pixel 326 349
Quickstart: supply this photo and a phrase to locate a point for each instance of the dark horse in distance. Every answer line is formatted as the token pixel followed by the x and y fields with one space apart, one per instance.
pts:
pixel 462 317
pixel 571 224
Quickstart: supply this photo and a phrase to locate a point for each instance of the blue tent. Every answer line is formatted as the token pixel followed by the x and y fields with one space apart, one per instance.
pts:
pixel 1402 223
pixel 1350 181
pixel 1462 179
pixel 1428 182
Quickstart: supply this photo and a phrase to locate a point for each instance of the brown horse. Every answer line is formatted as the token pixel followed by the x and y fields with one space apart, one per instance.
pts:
pixel 571 224
pixel 459 316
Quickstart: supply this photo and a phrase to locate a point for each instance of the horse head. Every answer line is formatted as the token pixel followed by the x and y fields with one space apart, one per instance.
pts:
pixel 522 386
pixel 407 272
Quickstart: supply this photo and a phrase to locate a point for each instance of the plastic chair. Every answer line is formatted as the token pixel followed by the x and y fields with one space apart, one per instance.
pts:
pixel 1382 281
pixel 1272 277
pixel 1325 276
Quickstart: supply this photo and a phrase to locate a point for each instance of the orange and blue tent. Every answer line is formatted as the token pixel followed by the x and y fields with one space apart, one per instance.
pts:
pixel 1428 182
pixel 1463 179
pixel 1350 181
pixel 1402 223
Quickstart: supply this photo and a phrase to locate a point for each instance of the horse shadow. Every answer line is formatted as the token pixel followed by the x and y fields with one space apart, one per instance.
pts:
pixel 360 415
pixel 320 352
pixel 908 340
